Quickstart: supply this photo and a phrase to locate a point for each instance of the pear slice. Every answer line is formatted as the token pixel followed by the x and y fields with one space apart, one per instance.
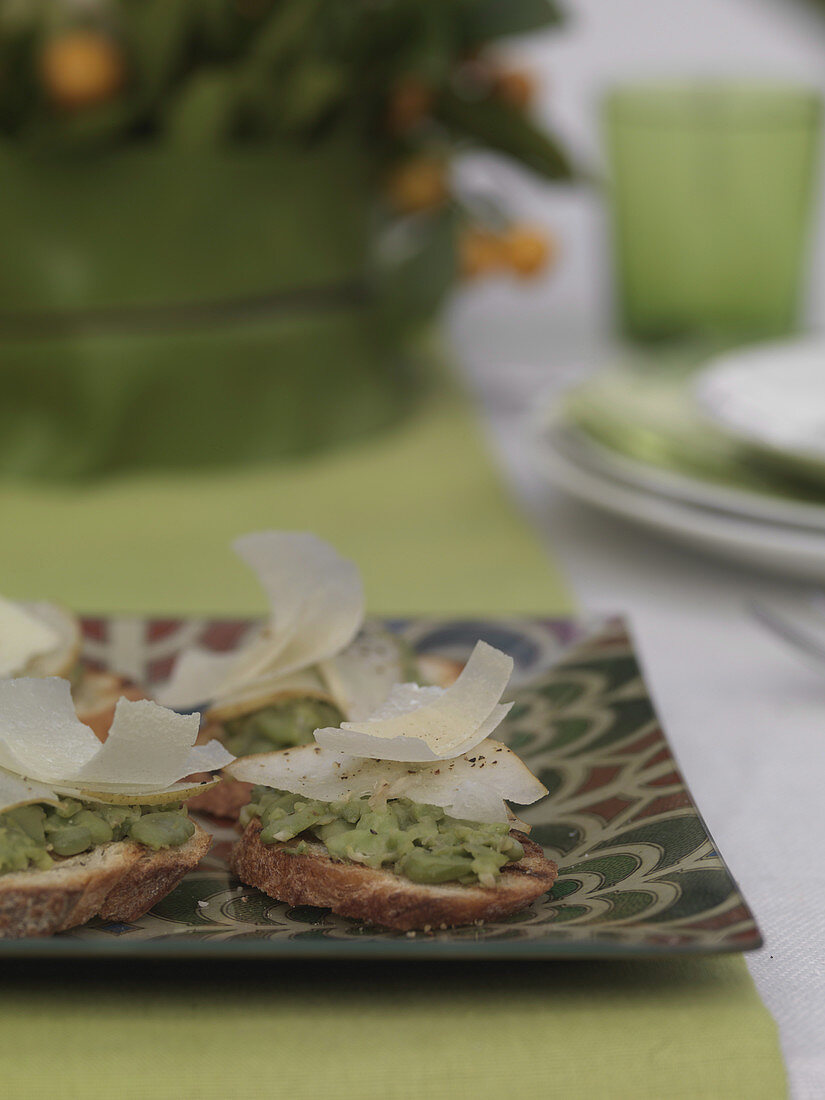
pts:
pixel 473 786
pixel 178 792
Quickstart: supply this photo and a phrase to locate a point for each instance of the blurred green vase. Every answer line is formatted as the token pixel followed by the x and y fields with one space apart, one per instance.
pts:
pixel 711 187
pixel 164 308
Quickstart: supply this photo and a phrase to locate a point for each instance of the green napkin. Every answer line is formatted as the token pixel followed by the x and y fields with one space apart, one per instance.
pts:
pixel 422 513
pixel 644 410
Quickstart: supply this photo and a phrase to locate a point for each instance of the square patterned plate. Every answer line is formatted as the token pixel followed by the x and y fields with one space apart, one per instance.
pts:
pixel 638 872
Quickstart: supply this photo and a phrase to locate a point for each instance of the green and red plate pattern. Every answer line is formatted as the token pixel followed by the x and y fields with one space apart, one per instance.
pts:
pixel 638 872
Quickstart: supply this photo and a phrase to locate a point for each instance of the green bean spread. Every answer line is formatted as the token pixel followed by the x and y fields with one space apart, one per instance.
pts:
pixel 34 836
pixel 419 842
pixel 279 726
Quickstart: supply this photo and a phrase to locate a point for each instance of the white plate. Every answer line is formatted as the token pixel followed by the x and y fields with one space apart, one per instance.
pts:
pixel 788 551
pixel 772 397
pixel 585 451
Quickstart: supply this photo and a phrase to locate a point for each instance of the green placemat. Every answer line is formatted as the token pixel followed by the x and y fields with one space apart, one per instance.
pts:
pixel 430 525
pixel 650 1031
pixel 419 509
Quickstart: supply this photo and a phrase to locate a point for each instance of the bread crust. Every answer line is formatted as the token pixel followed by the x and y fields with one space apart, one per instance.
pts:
pixel 382 897
pixel 119 881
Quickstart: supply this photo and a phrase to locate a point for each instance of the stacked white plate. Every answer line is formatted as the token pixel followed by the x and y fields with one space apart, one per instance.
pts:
pixel 759 413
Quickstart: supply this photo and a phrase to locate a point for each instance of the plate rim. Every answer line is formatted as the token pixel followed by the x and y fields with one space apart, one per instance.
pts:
pixel 809 460
pixel 679 487
pixel 774 548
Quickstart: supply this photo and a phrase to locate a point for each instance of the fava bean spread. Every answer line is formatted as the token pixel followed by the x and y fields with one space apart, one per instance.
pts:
pixel 416 841
pixel 37 836
pixel 290 722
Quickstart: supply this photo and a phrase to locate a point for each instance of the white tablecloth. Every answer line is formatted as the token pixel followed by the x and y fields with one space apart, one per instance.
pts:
pixel 745 716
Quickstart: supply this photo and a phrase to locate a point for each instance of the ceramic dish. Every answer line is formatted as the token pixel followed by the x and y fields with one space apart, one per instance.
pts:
pixel 771 547
pixel 772 398
pixel 638 872
pixel 746 502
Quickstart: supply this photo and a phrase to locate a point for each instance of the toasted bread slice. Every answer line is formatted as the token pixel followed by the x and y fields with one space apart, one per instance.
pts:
pixel 118 881
pixel 382 897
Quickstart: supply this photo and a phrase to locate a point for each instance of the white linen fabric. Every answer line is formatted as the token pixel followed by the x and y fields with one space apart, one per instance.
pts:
pixel 745 715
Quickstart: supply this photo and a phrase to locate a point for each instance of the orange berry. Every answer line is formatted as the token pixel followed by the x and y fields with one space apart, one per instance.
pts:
pixel 419 184
pixel 527 251
pixel 516 87
pixel 479 252
pixel 409 104
pixel 81 68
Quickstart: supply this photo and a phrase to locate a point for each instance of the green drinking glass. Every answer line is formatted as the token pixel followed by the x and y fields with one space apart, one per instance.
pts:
pixel 711 187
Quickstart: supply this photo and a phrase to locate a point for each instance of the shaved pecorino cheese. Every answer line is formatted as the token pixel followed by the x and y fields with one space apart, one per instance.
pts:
pixel 431 723
pixel 316 609
pixel 148 750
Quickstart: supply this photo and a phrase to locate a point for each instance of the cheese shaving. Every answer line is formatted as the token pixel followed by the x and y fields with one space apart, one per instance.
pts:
pixel 16 791
pixel 361 677
pixel 265 690
pixel 41 737
pixel 23 636
pixel 148 748
pixel 431 723
pixel 316 609
pixel 472 787
pixel 146 744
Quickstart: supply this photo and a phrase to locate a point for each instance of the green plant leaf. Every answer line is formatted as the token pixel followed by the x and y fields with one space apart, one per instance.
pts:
pixel 492 123
pixel 284 33
pixel 156 33
pixel 312 89
pixel 204 111
pixel 486 19
pixel 430 44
